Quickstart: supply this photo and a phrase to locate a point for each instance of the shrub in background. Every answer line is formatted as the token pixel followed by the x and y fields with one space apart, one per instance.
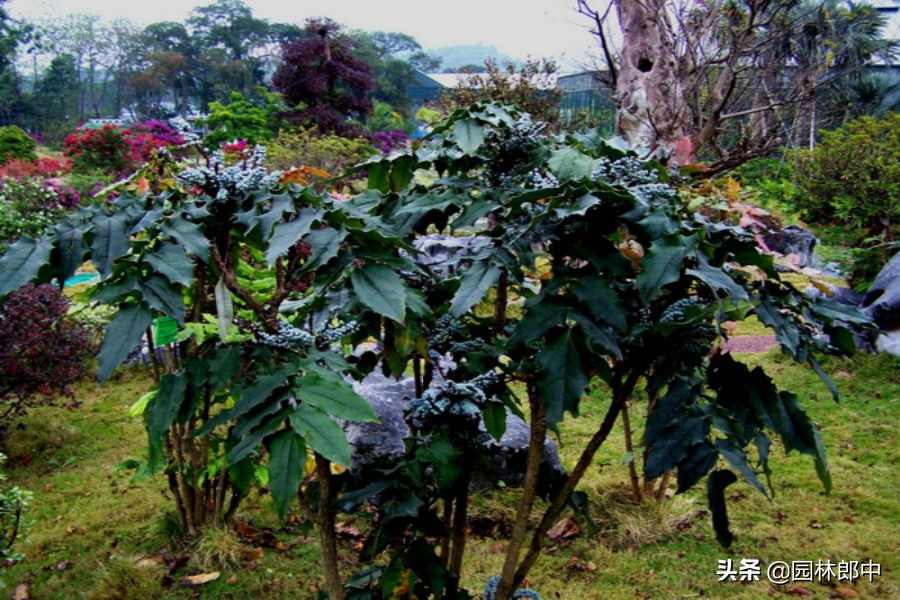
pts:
pixel 28 206
pixel 388 141
pixel 309 147
pixel 41 167
pixel 13 521
pixel 148 136
pixel 106 150
pixel 853 178
pixel 15 143
pixel 42 350
pixel 239 120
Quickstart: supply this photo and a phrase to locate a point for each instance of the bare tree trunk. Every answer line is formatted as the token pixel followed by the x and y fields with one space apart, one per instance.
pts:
pixel 649 91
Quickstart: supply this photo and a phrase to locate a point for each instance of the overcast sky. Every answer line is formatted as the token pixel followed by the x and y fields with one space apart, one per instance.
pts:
pixel 518 28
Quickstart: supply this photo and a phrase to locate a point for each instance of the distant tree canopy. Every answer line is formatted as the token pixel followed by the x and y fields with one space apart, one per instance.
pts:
pixel 323 82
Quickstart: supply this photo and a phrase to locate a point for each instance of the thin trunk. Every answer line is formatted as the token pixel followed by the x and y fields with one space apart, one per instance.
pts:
pixel 325 527
pixel 417 376
pixel 662 488
pixel 501 302
pixel 629 448
pixel 621 394
pixel 529 491
pixel 460 530
pixel 447 520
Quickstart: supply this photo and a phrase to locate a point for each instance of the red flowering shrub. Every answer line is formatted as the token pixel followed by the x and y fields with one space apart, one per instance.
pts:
pixel 235 147
pixel 113 150
pixel 106 150
pixel 40 168
pixel 147 136
pixel 42 350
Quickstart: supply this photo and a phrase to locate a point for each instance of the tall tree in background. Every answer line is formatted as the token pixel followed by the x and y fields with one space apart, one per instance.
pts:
pixel 731 79
pixel 230 35
pixel 379 50
pixel 58 89
pixel 323 82
pixel 12 103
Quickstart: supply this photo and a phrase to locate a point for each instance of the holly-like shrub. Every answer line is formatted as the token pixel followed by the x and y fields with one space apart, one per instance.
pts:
pixel 277 290
pixel 15 143
pixel 42 350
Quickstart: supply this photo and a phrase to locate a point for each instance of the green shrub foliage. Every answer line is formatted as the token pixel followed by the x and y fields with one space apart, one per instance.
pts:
pixel 275 287
pixel 853 178
pixel 331 153
pixel 14 521
pixel 16 144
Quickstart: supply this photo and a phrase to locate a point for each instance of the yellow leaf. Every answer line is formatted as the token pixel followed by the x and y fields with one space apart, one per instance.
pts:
pixel 195 580
pixel 823 287
pixel 732 190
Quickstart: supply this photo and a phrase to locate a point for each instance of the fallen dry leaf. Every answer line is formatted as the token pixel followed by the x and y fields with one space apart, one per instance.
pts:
pixel 202 578
pixel 345 529
pixel 70 530
pixel 498 548
pixel 150 562
pixel 849 519
pixel 845 592
pixel 62 565
pixel 231 580
pixel 21 592
pixel 565 529
pixel 255 554
pixel 799 591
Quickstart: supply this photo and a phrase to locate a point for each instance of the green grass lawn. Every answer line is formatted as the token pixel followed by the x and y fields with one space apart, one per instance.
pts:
pixel 98 535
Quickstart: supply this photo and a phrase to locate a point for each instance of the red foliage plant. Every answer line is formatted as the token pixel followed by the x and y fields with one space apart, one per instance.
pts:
pixel 40 168
pixel 42 350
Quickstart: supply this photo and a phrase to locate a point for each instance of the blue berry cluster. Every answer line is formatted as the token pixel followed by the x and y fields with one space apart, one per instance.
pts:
pixel 461 401
pixel 290 337
pixel 242 178
pixel 490 591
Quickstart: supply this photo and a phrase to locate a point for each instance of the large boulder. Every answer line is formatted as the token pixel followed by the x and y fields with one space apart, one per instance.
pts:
pixel 793 240
pixel 389 399
pixel 882 300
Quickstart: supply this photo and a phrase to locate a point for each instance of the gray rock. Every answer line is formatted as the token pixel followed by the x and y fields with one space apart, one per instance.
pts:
pixel 389 399
pixel 793 240
pixel 889 342
pixel 882 300
pixel 442 253
pixel 841 295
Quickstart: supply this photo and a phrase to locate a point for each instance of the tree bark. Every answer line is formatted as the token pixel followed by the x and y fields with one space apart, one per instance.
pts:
pixel 649 91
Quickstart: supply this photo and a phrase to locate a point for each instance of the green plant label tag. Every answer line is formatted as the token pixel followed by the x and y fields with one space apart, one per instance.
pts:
pixel 164 331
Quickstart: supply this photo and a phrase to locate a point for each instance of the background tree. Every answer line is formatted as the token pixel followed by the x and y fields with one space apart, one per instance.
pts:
pixel 733 80
pixel 393 74
pixel 12 34
pixel 322 80
pixel 58 90
pixel 230 35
